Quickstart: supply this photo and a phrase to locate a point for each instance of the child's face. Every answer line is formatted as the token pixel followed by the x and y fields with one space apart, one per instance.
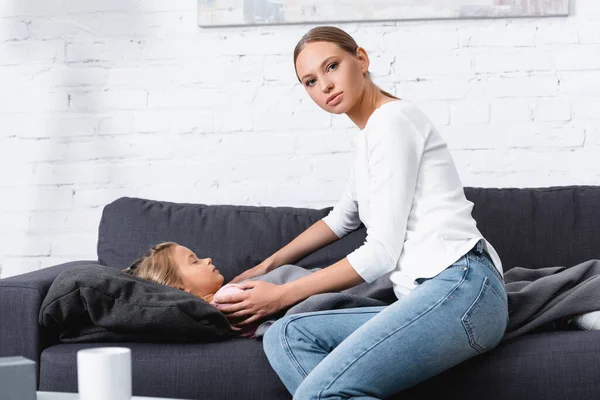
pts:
pixel 198 276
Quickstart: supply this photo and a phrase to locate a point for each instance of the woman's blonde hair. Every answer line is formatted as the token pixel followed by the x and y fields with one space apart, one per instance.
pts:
pixel 333 35
pixel 157 265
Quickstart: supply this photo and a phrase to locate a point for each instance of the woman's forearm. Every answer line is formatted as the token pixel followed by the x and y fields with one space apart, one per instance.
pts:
pixel 334 278
pixel 312 239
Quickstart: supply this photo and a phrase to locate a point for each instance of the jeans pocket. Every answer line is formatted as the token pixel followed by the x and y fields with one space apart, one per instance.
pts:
pixel 485 320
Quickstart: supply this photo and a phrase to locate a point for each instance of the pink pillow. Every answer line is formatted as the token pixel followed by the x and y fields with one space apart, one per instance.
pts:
pixel 230 288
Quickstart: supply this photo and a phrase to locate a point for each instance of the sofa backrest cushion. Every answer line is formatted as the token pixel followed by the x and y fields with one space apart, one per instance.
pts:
pixel 539 227
pixel 532 227
pixel 235 237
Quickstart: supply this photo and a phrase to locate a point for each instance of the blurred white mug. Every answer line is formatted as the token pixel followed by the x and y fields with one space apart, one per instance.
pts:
pixel 104 373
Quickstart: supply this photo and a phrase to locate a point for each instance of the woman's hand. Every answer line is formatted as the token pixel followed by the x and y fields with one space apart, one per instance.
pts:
pixel 262 299
pixel 260 269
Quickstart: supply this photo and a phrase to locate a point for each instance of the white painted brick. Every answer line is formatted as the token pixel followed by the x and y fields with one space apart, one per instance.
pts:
pixel 119 124
pixel 204 98
pixel 511 110
pixel 552 110
pixel 13 222
pixel 69 125
pixel 45 222
pixel 588 9
pixel 433 89
pixel 21 125
pixel 108 99
pixel 233 120
pixel 12 266
pixel 134 25
pixel 498 34
pixel 587 108
pixel 581 82
pixel 172 5
pixel 151 120
pixel 558 32
pixel 274 168
pixel 174 121
pixel 381 64
pixel 470 112
pixel 75 244
pixel 12 30
pixel 308 120
pixel 273 120
pixel 191 121
pixel 70 76
pixel 105 50
pixel 528 160
pixel 437 65
pixel 30 150
pixel 143 173
pixel 588 31
pixel 46 125
pixel 32 52
pixel 71 174
pixel 522 86
pixel 279 68
pixel 35 101
pixel 513 61
pixel 281 97
pixel 250 144
pixel 26 245
pixel 581 57
pixel 295 193
pixel 100 196
pixel 36 198
pixel 416 39
pixel 16 174
pixel 541 135
pixel 143 76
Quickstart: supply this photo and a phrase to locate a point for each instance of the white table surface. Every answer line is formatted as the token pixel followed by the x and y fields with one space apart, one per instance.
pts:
pixel 75 396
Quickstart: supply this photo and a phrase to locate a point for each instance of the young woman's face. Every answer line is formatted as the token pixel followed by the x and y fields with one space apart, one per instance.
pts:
pixel 198 276
pixel 333 78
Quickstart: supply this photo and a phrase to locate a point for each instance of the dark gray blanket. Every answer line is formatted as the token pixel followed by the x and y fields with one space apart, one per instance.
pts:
pixel 537 298
pixel 541 298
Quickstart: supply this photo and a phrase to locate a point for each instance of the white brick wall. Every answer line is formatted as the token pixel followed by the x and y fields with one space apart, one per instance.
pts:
pixel 103 99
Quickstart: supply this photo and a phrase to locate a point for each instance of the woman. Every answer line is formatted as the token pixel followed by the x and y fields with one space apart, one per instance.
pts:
pixel 404 187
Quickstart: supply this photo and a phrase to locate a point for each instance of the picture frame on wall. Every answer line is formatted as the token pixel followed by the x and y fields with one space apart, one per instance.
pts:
pixel 267 12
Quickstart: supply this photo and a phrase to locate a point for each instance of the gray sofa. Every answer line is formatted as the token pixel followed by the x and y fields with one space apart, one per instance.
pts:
pixel 535 227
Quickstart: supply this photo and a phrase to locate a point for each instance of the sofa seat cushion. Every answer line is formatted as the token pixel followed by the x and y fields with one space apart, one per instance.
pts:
pixel 235 369
pixel 549 365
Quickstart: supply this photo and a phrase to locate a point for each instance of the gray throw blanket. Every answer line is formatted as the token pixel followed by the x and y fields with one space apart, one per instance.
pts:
pixel 537 298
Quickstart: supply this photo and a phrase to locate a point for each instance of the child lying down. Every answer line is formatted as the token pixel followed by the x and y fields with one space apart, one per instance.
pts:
pixel 171 264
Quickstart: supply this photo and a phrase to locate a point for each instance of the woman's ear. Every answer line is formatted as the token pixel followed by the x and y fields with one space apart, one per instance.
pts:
pixel 363 59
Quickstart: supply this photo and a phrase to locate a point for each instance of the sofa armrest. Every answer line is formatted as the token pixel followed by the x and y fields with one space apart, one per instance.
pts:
pixel 21 297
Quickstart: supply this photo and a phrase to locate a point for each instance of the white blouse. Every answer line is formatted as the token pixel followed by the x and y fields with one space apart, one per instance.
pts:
pixel 404 187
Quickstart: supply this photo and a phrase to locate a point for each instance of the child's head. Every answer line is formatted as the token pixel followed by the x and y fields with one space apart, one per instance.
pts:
pixel 171 264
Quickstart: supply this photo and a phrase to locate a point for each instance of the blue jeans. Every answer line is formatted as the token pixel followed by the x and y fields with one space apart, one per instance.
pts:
pixel 373 352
